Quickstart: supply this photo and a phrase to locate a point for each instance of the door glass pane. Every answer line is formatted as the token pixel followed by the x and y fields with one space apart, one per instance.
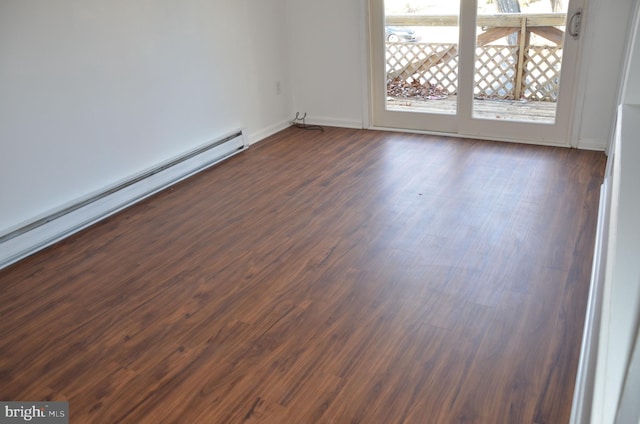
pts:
pixel 421 51
pixel 518 59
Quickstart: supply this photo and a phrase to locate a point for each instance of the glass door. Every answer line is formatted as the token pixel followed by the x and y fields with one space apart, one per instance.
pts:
pixel 501 69
pixel 416 48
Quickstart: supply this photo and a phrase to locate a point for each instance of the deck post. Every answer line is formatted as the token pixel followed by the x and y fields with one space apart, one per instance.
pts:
pixel 523 43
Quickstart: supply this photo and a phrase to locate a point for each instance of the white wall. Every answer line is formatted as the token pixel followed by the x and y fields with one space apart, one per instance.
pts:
pixel 621 303
pixel 93 91
pixel 631 86
pixel 328 69
pixel 270 94
pixel 605 34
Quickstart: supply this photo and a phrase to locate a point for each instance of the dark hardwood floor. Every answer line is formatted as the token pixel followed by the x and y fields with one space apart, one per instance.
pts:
pixel 340 277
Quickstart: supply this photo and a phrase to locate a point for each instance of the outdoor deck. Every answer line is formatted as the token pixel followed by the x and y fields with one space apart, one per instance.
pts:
pixel 509 110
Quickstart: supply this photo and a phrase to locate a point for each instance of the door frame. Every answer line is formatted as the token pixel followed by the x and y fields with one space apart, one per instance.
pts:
pixel 380 118
pixel 463 124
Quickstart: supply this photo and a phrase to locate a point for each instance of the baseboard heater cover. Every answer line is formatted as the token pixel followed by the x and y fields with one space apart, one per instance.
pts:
pixel 37 235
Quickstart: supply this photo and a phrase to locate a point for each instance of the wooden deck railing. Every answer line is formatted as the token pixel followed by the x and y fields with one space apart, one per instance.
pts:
pixel 519 71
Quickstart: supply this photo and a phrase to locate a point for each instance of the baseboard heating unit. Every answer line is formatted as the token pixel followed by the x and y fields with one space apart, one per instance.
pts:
pixel 70 219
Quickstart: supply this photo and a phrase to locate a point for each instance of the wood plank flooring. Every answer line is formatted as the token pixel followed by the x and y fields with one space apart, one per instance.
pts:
pixel 340 277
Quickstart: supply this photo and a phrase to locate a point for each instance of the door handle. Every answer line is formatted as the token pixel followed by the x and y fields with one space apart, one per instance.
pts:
pixel 575 23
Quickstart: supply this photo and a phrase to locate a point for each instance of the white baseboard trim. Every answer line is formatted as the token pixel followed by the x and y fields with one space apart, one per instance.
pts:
pixel 86 211
pixel 260 135
pixel 470 136
pixel 585 376
pixel 592 144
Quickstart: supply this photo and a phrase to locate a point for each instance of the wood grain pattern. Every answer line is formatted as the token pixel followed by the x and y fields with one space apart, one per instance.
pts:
pixel 340 277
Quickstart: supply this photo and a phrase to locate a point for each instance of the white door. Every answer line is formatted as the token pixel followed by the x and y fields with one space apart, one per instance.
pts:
pixel 480 68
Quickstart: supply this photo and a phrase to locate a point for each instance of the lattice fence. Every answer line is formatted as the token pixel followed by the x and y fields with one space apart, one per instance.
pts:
pixel 495 75
pixel 542 73
pixel 497 69
pixel 436 64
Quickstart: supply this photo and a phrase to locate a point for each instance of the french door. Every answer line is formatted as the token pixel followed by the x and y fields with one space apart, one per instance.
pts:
pixel 479 68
